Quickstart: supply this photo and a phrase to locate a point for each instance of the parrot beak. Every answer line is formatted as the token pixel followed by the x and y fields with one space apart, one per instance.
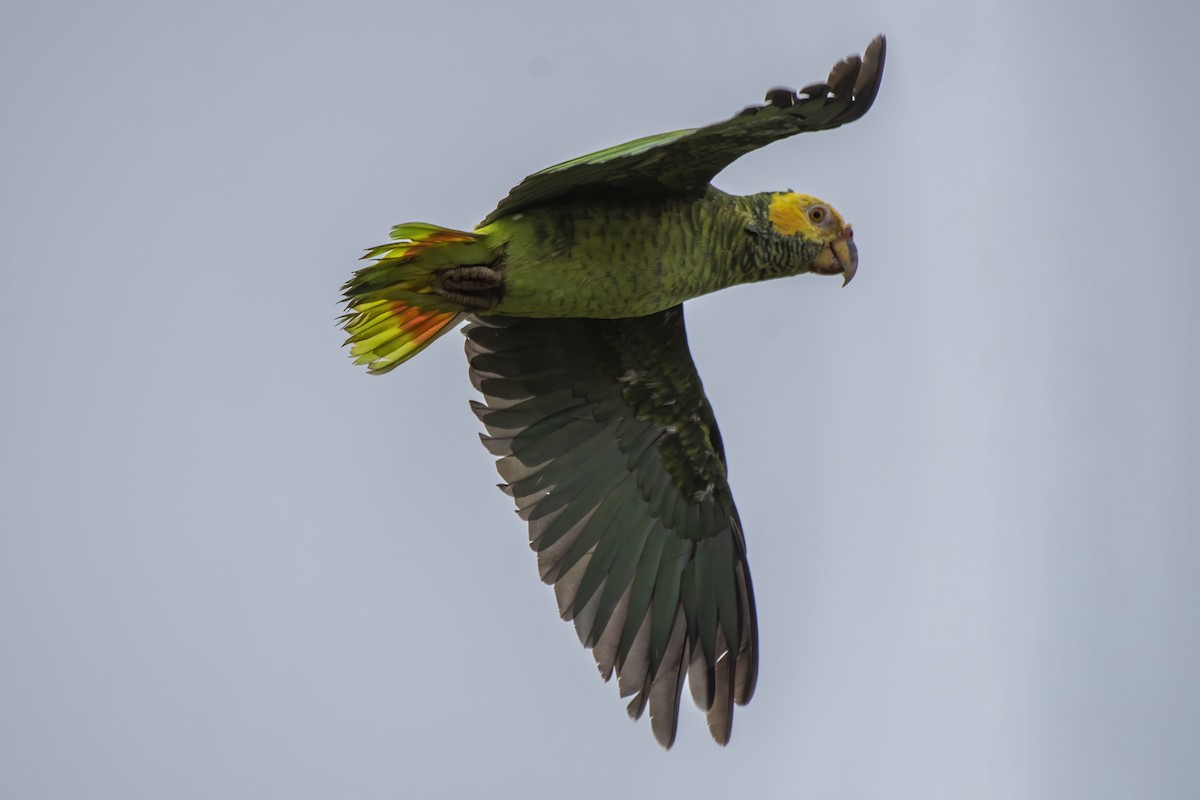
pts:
pixel 847 254
pixel 840 257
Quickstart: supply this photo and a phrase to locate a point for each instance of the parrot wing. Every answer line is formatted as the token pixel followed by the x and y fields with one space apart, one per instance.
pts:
pixel 686 161
pixel 611 451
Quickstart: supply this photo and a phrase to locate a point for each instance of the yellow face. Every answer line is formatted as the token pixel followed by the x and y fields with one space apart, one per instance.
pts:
pixel 818 222
pixel 802 215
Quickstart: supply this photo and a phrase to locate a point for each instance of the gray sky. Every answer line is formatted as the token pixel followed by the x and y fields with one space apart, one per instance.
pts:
pixel 234 565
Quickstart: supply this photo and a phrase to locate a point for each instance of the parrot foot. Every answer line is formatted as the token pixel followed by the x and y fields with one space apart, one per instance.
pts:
pixel 476 287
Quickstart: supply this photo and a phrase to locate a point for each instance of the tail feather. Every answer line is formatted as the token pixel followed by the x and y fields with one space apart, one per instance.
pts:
pixel 392 310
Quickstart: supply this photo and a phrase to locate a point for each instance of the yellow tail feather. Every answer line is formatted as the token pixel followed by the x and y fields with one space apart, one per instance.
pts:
pixel 384 334
pixel 392 311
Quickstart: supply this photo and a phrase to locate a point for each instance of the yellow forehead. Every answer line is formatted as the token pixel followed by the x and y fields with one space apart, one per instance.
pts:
pixel 788 212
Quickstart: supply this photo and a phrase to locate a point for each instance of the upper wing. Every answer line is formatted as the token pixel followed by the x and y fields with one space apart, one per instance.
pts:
pixel 612 453
pixel 686 161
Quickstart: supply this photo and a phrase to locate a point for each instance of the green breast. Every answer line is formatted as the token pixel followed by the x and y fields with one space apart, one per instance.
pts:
pixel 618 260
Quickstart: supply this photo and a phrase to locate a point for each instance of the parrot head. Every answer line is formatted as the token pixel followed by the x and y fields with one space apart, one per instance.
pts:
pixel 829 241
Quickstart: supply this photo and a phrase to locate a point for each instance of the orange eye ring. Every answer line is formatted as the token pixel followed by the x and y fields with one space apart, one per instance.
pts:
pixel 818 214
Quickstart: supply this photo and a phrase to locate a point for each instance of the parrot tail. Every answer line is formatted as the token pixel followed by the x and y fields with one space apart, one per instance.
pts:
pixel 397 306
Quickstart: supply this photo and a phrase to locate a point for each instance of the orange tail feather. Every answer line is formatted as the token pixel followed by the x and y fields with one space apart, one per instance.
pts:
pixel 393 313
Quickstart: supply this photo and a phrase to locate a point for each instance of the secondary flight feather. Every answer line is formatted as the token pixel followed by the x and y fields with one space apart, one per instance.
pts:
pixel 573 288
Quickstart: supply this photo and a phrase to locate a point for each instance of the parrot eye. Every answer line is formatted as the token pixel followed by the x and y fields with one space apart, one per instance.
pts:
pixel 818 214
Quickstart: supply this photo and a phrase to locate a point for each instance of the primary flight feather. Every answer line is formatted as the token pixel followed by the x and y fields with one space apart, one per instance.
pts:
pixel 574 288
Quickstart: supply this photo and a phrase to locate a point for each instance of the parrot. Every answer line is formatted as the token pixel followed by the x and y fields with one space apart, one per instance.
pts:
pixel 572 290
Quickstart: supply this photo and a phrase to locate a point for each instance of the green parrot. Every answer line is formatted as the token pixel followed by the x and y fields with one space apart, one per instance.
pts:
pixel 573 288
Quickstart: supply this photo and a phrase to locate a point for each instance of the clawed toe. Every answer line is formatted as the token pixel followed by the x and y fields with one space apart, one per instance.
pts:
pixel 477 287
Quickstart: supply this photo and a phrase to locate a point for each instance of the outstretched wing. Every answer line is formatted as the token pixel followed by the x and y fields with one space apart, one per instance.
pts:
pixel 611 451
pixel 686 161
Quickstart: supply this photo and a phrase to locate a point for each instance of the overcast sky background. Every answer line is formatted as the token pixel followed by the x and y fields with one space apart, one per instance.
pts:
pixel 233 565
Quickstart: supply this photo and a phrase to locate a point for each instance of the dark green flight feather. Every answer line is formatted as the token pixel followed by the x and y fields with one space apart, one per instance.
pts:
pixel 612 453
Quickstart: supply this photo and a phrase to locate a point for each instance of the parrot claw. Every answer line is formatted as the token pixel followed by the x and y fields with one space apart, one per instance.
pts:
pixel 476 287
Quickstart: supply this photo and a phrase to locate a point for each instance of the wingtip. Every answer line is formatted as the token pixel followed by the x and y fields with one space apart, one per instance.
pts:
pixel 875 55
pixel 854 80
pixel 867 78
pixel 843 77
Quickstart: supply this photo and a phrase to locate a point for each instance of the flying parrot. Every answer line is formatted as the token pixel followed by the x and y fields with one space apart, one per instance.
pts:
pixel 573 288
